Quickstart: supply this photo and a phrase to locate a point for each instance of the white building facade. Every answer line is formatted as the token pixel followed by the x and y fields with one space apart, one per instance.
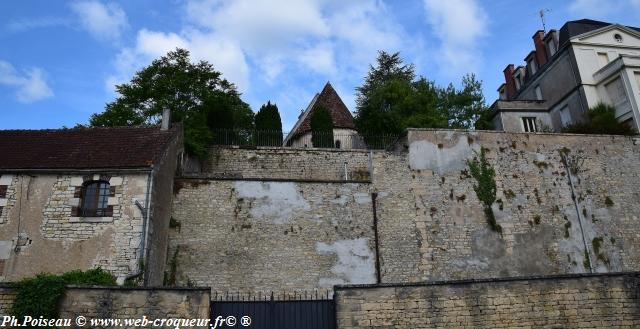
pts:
pixel 585 63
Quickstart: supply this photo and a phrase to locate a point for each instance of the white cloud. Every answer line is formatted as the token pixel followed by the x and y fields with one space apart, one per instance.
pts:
pixel 30 85
pixel 319 58
pixel 460 26
pixel 274 42
pixel 224 55
pixel 103 21
pixel 278 34
pixel 259 24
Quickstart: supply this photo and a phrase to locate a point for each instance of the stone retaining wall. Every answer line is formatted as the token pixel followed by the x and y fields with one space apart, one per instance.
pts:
pixel 601 301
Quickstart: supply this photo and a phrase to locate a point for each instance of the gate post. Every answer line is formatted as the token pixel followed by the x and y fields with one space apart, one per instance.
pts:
pixel 272 312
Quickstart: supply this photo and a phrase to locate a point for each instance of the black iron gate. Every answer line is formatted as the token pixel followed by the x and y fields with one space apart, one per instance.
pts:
pixel 297 311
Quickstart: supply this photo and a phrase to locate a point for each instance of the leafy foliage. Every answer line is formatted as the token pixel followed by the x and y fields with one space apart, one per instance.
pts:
pixel 39 296
pixel 268 126
pixel 196 94
pixel 321 128
pixel 485 188
pixel 601 119
pixel 391 100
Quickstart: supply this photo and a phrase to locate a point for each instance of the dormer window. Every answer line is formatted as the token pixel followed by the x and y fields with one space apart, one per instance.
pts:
pixel 502 91
pixel 518 79
pixel 551 47
pixel 532 66
pixel 94 200
pixel 538 92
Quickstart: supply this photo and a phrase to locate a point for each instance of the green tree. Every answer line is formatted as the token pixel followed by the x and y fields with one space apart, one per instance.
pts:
pixel 321 127
pixel 195 93
pixel 601 119
pixel 388 67
pixel 467 106
pixel 268 126
pixel 392 100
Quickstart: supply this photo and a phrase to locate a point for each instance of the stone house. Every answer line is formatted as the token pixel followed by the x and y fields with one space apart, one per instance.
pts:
pixel 571 70
pixel 84 198
pixel 344 129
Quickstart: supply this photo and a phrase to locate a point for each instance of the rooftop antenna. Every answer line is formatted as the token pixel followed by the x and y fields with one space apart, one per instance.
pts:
pixel 542 14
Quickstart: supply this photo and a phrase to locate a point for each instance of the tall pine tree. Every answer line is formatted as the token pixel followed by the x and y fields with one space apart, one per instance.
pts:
pixel 268 126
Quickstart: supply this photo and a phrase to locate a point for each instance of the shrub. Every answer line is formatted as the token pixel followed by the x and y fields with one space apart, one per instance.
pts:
pixel 601 119
pixel 39 296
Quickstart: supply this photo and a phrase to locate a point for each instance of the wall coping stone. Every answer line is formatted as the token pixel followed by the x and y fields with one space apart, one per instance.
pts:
pixel 488 280
pixel 294 180
pixel 292 149
pixel 121 288
pixel 631 137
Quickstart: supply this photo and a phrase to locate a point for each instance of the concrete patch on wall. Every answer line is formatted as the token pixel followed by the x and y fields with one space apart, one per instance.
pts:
pixel 275 201
pixel 355 262
pixel 425 155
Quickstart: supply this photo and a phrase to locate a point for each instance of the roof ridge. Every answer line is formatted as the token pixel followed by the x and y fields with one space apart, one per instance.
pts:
pixel 81 129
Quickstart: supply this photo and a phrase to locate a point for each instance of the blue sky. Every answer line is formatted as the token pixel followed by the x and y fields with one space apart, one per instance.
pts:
pixel 60 60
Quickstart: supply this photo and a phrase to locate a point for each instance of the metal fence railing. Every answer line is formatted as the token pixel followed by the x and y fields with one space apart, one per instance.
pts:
pixel 340 140
pixel 297 311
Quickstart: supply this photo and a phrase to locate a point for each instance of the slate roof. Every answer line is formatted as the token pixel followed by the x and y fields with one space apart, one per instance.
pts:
pixel 84 148
pixel 573 28
pixel 330 99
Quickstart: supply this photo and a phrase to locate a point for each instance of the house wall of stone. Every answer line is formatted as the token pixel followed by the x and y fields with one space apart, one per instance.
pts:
pixel 161 201
pixel 39 234
pixel 257 236
pixel 287 164
pixel 609 301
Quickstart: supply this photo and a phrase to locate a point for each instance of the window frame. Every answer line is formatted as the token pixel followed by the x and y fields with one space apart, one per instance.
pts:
pixel 529 124
pixel 538 91
pixel 97 203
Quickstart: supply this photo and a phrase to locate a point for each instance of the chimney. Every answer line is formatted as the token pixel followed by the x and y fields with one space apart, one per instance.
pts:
pixel 166 119
pixel 508 79
pixel 541 50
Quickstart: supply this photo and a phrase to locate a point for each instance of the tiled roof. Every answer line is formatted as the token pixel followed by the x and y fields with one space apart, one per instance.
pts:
pixel 84 148
pixel 330 99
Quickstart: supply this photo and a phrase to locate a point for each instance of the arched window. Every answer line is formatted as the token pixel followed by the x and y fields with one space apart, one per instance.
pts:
pixel 94 201
pixel 338 144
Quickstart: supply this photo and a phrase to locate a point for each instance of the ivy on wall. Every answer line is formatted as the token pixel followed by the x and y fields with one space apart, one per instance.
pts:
pixel 40 295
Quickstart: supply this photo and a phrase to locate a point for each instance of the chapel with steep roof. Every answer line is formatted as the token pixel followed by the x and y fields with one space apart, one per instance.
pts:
pixel 345 134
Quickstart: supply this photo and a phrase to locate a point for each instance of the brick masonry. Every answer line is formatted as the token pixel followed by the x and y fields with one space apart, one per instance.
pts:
pixel 606 301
